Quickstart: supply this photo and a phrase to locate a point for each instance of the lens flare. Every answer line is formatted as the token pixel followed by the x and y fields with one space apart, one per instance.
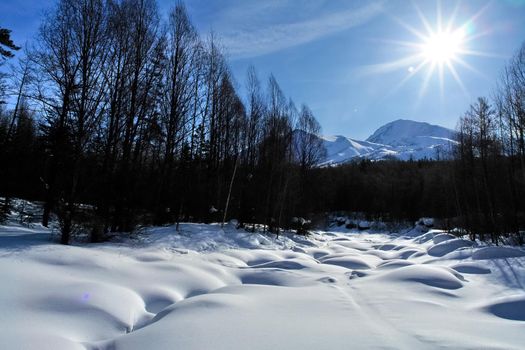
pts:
pixel 443 47
pixel 438 49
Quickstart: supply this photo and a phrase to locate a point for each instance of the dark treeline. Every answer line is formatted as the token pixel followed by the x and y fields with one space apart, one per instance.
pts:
pixel 489 165
pixel 120 118
pixel 389 191
pixel 139 118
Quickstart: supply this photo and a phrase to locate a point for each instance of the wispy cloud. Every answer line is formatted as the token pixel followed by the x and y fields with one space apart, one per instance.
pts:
pixel 258 33
pixel 404 62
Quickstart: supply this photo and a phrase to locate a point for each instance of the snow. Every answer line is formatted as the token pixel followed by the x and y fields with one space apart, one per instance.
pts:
pixel 442 237
pixel 434 276
pixel 497 253
pixel 401 139
pixel 408 132
pixel 510 308
pixel 471 268
pixel 448 246
pixel 211 288
pixel 339 149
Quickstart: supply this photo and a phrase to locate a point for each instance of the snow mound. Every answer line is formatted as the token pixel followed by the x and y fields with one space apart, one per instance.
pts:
pixel 409 253
pixel 285 264
pixel 471 268
pixel 211 287
pixel 389 246
pixel 432 276
pixel 395 264
pixel 497 253
pixel 420 234
pixel 211 237
pixel 449 246
pixel 266 277
pixel 317 253
pixel 251 317
pixel 442 237
pixel 158 298
pixel 348 262
pixel 510 308
pixel 40 340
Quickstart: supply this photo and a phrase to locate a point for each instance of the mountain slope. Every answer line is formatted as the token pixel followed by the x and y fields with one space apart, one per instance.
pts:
pixel 409 133
pixel 400 139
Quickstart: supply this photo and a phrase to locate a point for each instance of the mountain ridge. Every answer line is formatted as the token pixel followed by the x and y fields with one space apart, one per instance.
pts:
pixel 401 139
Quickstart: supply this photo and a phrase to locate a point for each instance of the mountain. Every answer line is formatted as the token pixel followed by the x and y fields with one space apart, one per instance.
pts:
pixel 409 133
pixel 400 139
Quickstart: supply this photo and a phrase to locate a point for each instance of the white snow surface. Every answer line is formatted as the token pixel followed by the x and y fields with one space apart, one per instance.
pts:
pixel 400 139
pixel 208 288
pixel 404 132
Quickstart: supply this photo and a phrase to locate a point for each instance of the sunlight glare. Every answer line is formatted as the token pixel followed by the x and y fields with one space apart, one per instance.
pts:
pixel 443 47
pixel 438 51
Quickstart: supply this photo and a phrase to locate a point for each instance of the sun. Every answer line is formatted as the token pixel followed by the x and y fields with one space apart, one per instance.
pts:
pixel 443 47
pixel 439 49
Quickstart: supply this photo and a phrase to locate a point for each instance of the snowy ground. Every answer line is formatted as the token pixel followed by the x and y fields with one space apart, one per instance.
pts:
pixel 209 289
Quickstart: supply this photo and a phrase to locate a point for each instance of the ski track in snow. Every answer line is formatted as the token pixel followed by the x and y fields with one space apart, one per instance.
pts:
pixel 208 288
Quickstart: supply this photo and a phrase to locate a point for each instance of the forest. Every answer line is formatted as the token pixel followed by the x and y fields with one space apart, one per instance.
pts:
pixel 116 118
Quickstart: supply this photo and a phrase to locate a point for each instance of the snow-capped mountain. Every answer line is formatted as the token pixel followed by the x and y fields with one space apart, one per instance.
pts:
pixel 401 139
pixel 409 133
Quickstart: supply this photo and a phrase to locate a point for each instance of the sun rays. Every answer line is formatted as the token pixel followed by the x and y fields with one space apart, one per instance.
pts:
pixel 439 49
pixel 443 47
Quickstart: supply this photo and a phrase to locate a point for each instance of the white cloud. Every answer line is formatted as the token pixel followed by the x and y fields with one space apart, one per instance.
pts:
pixel 244 39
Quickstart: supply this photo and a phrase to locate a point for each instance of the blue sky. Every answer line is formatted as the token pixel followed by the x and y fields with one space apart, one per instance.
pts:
pixel 347 59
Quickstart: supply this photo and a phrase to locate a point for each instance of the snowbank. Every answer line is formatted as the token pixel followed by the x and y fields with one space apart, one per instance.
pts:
pixel 211 288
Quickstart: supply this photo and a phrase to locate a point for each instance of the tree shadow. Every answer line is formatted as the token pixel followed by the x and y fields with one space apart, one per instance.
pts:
pixel 18 238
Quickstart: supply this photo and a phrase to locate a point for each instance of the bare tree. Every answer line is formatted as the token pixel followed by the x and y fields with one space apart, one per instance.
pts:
pixel 177 97
pixel 308 145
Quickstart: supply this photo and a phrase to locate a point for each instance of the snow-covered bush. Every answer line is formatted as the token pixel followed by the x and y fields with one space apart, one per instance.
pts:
pixel 5 210
pixel 301 225
pixel 427 222
pixel 364 225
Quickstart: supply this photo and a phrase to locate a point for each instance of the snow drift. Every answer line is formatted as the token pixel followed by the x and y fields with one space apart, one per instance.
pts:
pixel 208 288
